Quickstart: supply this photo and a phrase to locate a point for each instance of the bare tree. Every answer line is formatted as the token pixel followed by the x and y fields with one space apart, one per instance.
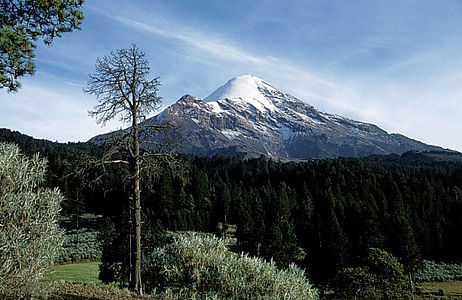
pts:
pixel 122 86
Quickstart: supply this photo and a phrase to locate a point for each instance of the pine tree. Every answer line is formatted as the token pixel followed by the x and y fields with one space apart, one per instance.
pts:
pixel 166 199
pixel 22 23
pixel 333 243
pixel 223 202
pixel 281 242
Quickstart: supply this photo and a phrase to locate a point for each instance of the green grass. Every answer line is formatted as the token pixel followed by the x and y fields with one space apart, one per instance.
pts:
pixel 85 272
pixel 441 290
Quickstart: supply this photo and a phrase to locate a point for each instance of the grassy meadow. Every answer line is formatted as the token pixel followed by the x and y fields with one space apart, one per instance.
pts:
pixel 441 290
pixel 82 272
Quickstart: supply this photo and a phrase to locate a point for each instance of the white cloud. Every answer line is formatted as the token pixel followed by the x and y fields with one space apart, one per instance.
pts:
pixel 51 113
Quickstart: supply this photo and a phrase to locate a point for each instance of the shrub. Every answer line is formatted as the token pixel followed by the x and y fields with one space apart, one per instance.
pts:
pixel 438 271
pixel 30 237
pixel 80 244
pixel 356 283
pixel 381 278
pixel 199 265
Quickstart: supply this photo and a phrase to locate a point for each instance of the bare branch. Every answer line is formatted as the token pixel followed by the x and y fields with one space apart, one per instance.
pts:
pixel 117 161
pixel 121 85
pixel 122 88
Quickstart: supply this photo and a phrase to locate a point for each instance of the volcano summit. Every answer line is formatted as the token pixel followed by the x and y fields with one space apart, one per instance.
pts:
pixel 248 117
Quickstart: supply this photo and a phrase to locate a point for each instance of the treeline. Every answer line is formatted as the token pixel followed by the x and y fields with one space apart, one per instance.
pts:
pixel 322 214
pixel 330 210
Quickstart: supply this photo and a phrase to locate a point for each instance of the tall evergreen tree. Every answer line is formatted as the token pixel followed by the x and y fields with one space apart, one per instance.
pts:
pixel 333 243
pixel 22 23
pixel 223 201
pixel 166 199
pixel 281 242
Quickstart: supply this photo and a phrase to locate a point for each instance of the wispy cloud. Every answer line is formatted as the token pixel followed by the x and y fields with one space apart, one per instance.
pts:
pixel 375 102
pixel 214 46
pixel 315 86
pixel 193 59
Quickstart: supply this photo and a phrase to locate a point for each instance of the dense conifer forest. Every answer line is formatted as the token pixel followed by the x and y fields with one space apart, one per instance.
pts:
pixel 323 215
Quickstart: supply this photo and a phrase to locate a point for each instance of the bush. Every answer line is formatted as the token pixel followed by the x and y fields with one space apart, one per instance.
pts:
pixel 438 271
pixel 30 237
pixel 356 283
pixel 199 265
pixel 80 244
pixel 381 278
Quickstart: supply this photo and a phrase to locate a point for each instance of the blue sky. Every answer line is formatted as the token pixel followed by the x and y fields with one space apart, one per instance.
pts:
pixel 397 64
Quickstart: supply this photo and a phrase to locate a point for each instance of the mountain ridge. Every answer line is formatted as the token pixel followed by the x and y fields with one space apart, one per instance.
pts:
pixel 247 116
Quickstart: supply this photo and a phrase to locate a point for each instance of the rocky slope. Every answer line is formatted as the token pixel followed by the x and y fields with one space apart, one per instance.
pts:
pixel 249 117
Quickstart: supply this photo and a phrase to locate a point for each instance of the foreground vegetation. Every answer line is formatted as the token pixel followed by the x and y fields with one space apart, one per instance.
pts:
pixel 64 286
pixel 193 266
pixel 198 266
pixel 194 253
pixel 82 240
pixel 30 238
pixel 382 277
pixel 80 281
pixel 323 215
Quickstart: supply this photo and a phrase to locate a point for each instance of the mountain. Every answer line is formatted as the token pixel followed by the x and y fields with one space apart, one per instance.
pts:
pixel 248 117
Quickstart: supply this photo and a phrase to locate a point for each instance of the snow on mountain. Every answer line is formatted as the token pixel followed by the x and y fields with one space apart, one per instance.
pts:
pixel 249 117
pixel 246 88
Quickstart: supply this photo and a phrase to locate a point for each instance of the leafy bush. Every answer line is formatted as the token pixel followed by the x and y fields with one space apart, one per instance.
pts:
pixel 438 271
pixel 356 283
pixel 199 265
pixel 381 278
pixel 30 237
pixel 80 244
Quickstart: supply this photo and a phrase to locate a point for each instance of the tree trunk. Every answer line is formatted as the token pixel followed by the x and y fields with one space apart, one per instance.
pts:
pixel 411 285
pixel 138 288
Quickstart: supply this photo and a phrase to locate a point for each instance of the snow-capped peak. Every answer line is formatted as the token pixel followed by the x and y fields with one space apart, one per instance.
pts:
pixel 247 88
pixel 249 117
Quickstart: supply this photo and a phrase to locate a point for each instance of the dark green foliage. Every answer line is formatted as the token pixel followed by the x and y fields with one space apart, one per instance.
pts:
pixel 280 243
pixel 332 244
pixel 165 199
pixel 116 261
pixel 382 277
pixel 115 236
pixel 251 224
pixel 22 22
pixel 391 280
pixel 80 244
pixel 82 239
pixel 357 283
pixel 334 210
pixel 223 202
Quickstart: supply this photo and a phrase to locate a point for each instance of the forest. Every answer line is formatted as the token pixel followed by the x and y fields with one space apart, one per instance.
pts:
pixel 323 215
